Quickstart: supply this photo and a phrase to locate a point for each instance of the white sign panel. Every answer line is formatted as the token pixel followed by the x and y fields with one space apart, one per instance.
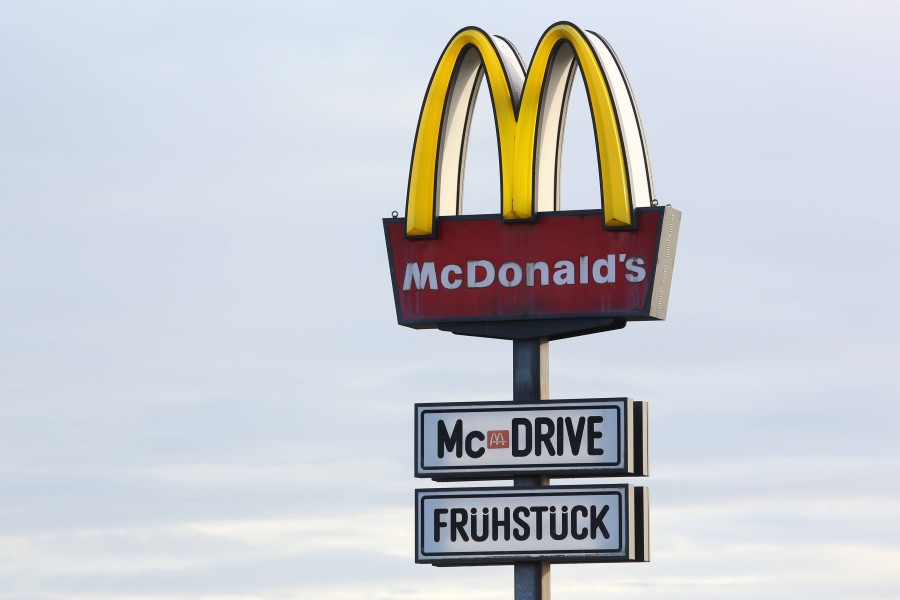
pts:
pixel 501 525
pixel 566 438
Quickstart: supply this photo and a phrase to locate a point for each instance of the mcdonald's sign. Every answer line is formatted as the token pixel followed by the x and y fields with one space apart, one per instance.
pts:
pixel 532 270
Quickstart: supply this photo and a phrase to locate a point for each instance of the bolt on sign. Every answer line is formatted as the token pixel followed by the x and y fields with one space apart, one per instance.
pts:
pixel 532 270
pixel 500 525
pixel 558 438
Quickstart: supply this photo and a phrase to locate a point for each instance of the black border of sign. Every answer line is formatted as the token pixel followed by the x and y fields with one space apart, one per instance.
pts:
pixel 613 464
pixel 632 525
pixel 543 322
pixel 631 431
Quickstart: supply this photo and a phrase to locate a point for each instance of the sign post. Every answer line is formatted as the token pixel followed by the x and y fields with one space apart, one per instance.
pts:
pixel 531 382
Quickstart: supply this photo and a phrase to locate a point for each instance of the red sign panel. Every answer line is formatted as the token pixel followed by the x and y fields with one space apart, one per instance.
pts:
pixel 562 265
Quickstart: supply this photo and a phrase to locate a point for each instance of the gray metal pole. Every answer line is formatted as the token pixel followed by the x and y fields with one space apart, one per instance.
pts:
pixel 531 382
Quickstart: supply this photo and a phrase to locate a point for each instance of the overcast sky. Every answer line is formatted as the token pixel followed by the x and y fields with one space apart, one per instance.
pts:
pixel 204 393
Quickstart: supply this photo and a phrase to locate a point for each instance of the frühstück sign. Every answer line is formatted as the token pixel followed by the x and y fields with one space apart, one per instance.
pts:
pixel 590 523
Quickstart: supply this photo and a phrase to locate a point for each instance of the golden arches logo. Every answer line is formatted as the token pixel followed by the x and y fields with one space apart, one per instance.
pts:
pixel 529 114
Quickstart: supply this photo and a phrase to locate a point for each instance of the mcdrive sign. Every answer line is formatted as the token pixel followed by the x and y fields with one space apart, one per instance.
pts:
pixel 531 270
pixel 559 438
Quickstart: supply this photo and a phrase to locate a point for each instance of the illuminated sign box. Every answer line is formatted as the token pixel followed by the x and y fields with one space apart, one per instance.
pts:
pixel 561 266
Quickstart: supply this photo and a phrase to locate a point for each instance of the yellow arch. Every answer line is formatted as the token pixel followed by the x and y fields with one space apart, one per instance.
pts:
pixel 423 176
pixel 617 203
pixel 520 107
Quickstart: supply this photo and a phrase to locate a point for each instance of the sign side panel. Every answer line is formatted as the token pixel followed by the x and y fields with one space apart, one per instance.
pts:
pixel 665 263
